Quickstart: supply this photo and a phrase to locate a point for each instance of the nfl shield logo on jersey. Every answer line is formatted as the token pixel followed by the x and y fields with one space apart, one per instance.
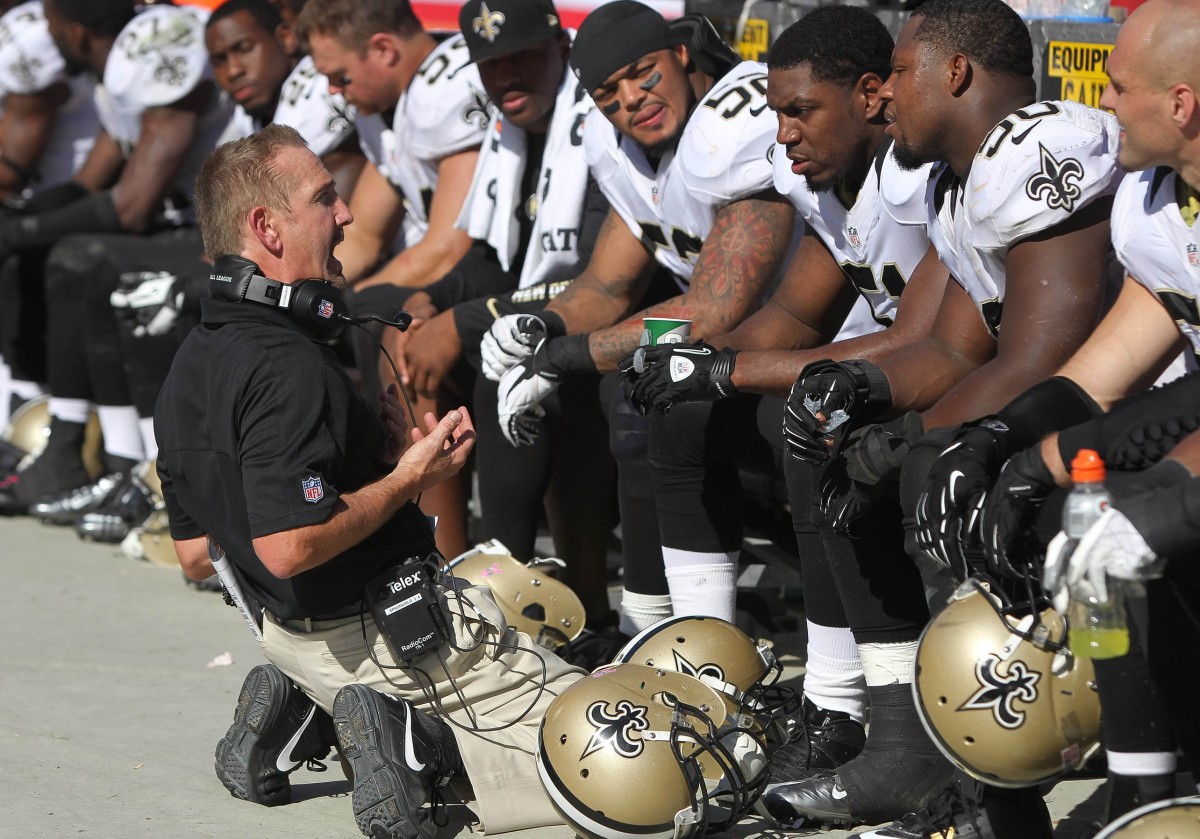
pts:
pixel 852 235
pixel 313 490
pixel 1193 256
pixel 325 309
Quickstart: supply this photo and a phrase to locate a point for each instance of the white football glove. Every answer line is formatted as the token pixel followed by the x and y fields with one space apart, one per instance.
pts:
pixel 1111 547
pixel 510 341
pixel 152 297
pixel 519 402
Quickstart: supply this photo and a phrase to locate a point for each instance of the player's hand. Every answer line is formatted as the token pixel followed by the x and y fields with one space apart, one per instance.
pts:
pixel 154 299
pixel 431 353
pixel 1010 510
pixel 658 377
pixel 826 395
pixel 949 510
pixel 867 468
pixel 521 392
pixel 512 339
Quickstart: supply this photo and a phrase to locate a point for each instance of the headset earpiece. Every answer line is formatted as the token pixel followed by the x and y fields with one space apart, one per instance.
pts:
pixel 313 304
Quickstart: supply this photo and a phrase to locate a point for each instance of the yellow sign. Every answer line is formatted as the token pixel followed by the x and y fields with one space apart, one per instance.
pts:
pixel 755 39
pixel 1077 71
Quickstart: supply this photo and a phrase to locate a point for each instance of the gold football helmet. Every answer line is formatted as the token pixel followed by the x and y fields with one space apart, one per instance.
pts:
pixel 999 691
pixel 635 751
pixel 719 654
pixel 1170 819
pixel 152 541
pixel 29 430
pixel 532 602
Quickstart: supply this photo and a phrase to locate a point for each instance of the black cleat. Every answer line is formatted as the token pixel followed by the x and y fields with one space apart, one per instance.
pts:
pixel 821 741
pixel 399 756
pixel 968 809
pixel 820 798
pixel 275 729
pixel 66 507
pixel 112 520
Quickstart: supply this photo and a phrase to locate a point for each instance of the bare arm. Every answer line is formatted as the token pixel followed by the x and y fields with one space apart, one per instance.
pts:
pixel 346 164
pixel 1055 291
pixel 443 244
pixel 743 252
pixel 378 213
pixel 611 285
pixel 25 127
pixel 434 456
pixel 774 371
pixel 193 558
pixel 103 164
pixel 167 134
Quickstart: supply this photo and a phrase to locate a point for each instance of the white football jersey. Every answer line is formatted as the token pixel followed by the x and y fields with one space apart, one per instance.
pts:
pixel 723 155
pixel 875 252
pixel 443 111
pixel 156 60
pixel 323 119
pixel 1034 169
pixel 1156 246
pixel 31 63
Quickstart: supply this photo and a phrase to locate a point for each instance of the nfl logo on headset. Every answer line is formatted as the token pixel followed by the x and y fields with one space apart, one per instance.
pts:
pixel 1193 256
pixel 313 491
pixel 325 309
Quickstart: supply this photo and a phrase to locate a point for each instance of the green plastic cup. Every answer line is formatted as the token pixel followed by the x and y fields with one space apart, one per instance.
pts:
pixel 665 331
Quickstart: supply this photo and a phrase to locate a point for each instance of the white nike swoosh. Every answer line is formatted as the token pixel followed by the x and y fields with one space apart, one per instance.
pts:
pixel 838 793
pixel 695 351
pixel 410 756
pixel 954 476
pixel 284 763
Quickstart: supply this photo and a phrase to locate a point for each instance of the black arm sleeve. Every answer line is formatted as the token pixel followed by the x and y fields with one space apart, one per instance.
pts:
pixel 1168 519
pixel 477 274
pixel 1140 429
pixel 93 214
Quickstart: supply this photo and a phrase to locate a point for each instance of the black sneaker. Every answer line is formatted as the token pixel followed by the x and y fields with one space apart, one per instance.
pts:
pixel 968 809
pixel 112 520
pixel 65 507
pixel 400 757
pixel 275 729
pixel 818 742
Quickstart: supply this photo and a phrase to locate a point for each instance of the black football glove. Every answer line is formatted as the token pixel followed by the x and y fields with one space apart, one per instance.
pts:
pixel 867 469
pixel 658 377
pixel 838 391
pixel 1010 510
pixel 948 512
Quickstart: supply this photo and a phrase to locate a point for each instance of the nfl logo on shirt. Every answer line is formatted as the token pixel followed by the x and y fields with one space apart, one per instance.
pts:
pixel 325 309
pixel 855 240
pixel 1193 256
pixel 313 491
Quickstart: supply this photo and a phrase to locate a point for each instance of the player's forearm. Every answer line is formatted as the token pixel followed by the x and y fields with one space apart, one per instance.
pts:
pixel 983 391
pixel 587 305
pixel 923 372
pixel 423 263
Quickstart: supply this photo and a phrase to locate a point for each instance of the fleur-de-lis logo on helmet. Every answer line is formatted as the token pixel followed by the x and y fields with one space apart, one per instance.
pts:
pixel 998 693
pixel 487 25
pixel 1054 183
pixel 614 730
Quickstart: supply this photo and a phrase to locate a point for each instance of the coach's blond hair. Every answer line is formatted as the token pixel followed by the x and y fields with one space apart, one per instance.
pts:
pixel 236 178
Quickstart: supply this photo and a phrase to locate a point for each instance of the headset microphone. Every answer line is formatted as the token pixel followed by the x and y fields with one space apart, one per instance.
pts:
pixel 401 320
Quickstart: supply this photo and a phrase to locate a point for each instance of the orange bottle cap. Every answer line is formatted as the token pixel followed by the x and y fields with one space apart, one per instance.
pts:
pixel 1087 467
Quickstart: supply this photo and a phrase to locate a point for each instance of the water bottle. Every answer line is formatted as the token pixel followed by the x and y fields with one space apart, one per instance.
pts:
pixel 1098 627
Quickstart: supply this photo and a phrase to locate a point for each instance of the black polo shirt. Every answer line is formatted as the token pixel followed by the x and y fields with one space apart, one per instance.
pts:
pixel 260 430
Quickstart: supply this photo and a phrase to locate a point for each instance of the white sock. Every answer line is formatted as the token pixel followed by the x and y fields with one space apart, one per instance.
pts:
pixel 119 424
pixel 5 393
pixel 149 441
pixel 888 664
pixel 701 583
pixel 833 674
pixel 70 410
pixel 1135 764
pixel 642 611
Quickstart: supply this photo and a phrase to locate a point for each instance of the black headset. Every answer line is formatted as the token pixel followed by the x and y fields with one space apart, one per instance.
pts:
pixel 315 305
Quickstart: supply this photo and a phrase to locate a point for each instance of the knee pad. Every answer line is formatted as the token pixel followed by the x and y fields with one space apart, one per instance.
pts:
pixel 69 260
pixel 628 430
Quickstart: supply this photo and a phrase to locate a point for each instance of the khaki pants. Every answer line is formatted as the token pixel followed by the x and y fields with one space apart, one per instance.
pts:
pixel 495 687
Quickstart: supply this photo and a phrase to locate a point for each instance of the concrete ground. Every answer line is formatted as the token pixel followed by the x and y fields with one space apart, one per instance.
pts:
pixel 116 682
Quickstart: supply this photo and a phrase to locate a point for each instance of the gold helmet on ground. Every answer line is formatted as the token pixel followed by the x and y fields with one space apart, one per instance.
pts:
pixel 719 654
pixel 532 602
pixel 635 751
pixel 1174 818
pixel 999 691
